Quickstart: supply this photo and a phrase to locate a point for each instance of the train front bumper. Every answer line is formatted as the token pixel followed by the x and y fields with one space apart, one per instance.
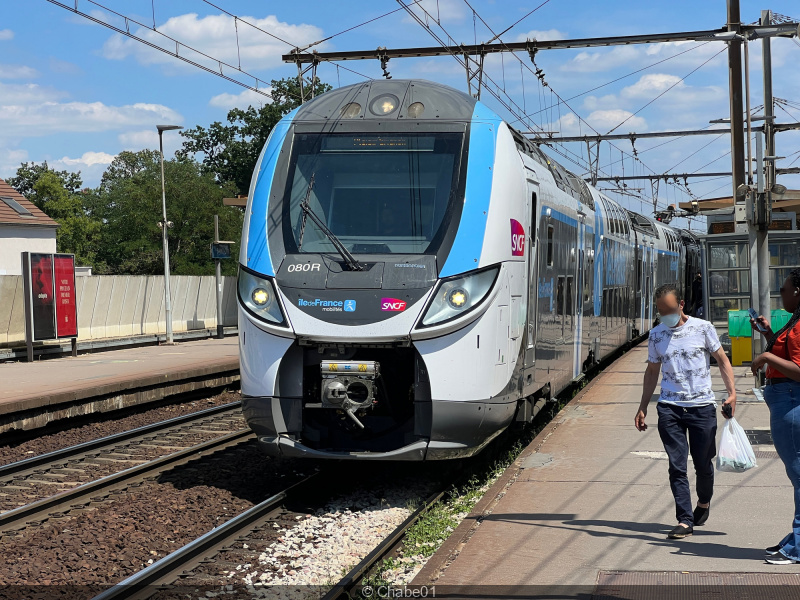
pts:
pixel 458 430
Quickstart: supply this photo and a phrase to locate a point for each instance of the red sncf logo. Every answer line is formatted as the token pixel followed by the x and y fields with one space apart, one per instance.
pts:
pixel 393 304
pixel 517 238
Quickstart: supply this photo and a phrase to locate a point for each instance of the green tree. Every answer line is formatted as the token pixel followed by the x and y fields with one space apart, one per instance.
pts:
pixel 128 202
pixel 57 194
pixel 29 173
pixel 230 150
pixel 78 233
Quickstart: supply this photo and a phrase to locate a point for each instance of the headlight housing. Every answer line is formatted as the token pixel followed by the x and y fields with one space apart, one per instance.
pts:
pixel 458 295
pixel 258 295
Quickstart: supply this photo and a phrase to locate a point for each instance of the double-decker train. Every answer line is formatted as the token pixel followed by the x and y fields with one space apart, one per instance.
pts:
pixel 415 275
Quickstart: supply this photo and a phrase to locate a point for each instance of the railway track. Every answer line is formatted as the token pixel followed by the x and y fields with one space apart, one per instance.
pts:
pixel 175 571
pixel 53 484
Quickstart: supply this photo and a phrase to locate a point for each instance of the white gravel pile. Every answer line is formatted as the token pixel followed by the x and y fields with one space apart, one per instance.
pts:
pixel 325 546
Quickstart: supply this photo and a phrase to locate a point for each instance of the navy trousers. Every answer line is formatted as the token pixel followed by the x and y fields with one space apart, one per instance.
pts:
pixel 700 423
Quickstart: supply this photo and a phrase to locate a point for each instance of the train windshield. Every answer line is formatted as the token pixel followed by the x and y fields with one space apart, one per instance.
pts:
pixel 377 193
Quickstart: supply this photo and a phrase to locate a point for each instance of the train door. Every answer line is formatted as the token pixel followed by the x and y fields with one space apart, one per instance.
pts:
pixel 583 305
pixel 589 330
pixel 650 287
pixel 533 283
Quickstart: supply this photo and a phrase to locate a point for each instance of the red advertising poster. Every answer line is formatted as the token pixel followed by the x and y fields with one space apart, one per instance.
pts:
pixel 42 297
pixel 66 305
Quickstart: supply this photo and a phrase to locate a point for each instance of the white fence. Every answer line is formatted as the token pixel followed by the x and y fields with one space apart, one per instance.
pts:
pixel 114 306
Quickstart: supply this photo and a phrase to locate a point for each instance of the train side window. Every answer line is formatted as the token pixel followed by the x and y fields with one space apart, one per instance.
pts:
pixel 560 296
pixel 549 245
pixel 639 273
pixel 570 308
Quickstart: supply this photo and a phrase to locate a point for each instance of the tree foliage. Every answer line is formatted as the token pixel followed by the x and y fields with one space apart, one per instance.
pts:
pixel 115 227
pixel 128 202
pixel 58 194
pixel 230 150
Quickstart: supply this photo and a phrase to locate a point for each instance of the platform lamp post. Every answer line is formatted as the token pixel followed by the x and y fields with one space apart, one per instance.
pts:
pixel 164 226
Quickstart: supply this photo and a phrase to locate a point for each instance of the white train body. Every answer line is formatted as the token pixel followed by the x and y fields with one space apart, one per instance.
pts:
pixel 484 277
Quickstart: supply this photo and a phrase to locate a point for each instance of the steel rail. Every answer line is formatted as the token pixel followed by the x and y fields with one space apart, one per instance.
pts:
pixel 18 518
pixel 72 452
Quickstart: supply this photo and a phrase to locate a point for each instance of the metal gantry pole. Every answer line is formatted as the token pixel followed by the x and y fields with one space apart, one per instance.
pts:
pixel 167 299
pixel 220 332
pixel 766 173
pixel 735 90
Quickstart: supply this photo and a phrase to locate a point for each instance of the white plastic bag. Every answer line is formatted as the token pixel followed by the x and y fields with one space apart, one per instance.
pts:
pixel 735 452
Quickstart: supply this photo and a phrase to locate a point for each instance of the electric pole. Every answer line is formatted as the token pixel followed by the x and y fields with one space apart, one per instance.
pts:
pixel 735 84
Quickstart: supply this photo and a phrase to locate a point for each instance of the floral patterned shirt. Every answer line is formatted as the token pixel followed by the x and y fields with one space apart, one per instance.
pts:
pixel 683 353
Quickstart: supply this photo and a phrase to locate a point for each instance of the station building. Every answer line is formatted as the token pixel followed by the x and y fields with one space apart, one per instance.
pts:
pixel 23 228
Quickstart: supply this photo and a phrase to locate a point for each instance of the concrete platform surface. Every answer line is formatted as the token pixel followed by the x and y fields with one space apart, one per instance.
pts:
pixel 590 498
pixel 41 384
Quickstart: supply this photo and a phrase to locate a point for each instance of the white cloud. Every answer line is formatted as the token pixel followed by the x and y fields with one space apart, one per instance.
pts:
pixel 88 159
pixel 444 11
pixel 242 100
pixel 6 34
pixel 680 95
pixel 10 160
pixel 592 62
pixel 17 72
pixel 679 103
pixel 215 35
pixel 148 138
pixel 600 120
pixel 541 35
pixel 27 94
pixel 639 55
pixel 604 120
pixel 30 109
pixel 136 140
pixel 91 166
pixel 651 85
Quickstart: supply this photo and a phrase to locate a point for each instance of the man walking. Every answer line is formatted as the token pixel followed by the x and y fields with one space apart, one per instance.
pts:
pixel 680 348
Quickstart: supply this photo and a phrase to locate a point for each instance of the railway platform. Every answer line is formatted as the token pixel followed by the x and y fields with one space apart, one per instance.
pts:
pixel 34 394
pixel 586 508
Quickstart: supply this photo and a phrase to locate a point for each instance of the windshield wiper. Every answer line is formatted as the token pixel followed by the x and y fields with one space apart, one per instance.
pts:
pixel 308 212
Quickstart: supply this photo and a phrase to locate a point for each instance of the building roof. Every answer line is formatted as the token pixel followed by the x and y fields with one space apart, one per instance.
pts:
pixel 21 211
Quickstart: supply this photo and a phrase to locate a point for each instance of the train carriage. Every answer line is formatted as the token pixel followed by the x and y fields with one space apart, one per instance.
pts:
pixel 415 275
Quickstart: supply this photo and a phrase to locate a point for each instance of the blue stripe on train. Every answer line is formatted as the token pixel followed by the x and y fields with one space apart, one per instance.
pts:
pixel 258 257
pixel 466 251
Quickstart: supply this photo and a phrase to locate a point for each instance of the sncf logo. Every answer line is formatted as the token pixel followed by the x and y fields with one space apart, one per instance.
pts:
pixel 517 238
pixel 393 304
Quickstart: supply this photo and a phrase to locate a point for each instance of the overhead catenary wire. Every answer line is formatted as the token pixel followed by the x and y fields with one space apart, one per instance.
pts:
pixel 629 117
pixel 178 44
pixel 553 92
pixel 462 62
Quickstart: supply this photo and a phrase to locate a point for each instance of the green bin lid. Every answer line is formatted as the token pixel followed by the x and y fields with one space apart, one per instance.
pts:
pixel 779 318
pixel 739 324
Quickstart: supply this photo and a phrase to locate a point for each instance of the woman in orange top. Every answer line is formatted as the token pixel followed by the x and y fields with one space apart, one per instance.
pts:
pixel 782 395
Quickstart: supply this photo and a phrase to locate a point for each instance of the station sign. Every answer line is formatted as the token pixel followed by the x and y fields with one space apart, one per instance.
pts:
pixel 221 250
pixel 49 282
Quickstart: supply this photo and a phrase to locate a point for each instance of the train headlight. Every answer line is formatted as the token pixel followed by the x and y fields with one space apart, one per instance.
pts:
pixel 459 295
pixel 257 295
pixel 260 297
pixel 457 298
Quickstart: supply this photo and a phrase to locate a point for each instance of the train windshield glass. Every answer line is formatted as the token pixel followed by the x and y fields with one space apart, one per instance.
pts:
pixel 377 193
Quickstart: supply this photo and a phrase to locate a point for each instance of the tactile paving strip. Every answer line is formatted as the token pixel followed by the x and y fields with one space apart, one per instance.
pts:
pixel 681 585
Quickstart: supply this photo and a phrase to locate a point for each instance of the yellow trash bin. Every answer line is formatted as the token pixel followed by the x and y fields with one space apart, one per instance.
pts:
pixel 741 350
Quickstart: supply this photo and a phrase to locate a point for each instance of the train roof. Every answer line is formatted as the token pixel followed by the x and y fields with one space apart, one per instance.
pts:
pixel 395 99
pixel 422 100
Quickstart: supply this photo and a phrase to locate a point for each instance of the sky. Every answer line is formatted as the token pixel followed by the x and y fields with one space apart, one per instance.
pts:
pixel 75 93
